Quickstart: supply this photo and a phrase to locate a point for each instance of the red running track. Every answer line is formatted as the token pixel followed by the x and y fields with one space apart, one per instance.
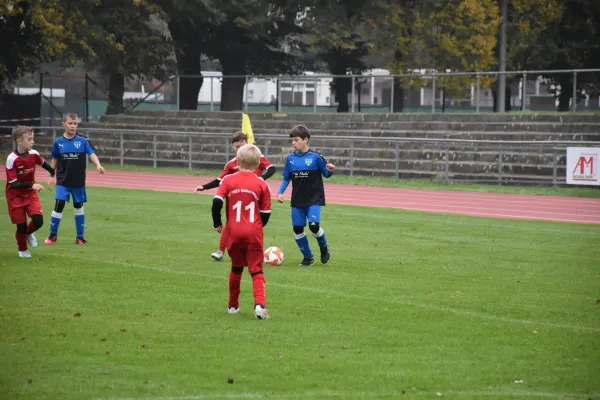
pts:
pixel 495 205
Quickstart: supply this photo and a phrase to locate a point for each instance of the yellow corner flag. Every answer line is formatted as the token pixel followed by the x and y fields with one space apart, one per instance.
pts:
pixel 247 128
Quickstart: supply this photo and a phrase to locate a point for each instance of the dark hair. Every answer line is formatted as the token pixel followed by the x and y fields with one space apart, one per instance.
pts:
pixel 300 131
pixel 238 137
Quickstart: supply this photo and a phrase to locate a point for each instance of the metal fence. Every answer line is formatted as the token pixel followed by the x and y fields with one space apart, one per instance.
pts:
pixel 444 160
pixel 426 92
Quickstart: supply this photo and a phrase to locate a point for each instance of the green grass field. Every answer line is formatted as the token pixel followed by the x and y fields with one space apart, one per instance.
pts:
pixel 411 305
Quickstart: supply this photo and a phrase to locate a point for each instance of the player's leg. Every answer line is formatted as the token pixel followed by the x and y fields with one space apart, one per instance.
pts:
pixel 79 197
pixel 298 223
pixel 218 255
pixel 255 260
pixel 314 224
pixel 34 210
pixel 238 261
pixel 63 195
pixel 18 217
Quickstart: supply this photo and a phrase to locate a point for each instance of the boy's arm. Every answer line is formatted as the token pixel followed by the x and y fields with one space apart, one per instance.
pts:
pixel 268 172
pixel 96 162
pixel 265 204
pixel 326 168
pixel 285 181
pixel 217 205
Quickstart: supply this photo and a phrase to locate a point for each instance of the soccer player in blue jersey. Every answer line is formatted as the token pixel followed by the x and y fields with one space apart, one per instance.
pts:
pixel 305 168
pixel 69 157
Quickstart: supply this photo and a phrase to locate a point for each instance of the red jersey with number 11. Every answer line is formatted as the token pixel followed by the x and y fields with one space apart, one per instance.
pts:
pixel 246 196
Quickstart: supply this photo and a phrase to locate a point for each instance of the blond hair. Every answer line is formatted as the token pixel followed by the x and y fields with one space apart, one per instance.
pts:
pixel 19 131
pixel 248 157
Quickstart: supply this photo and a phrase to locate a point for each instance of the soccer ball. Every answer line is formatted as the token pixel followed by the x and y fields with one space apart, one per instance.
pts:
pixel 273 256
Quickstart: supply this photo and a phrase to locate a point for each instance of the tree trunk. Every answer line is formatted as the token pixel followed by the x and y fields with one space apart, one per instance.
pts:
pixel 398 96
pixel 232 89
pixel 398 89
pixel 566 92
pixel 342 87
pixel 507 106
pixel 116 90
pixel 188 63
pixel 189 87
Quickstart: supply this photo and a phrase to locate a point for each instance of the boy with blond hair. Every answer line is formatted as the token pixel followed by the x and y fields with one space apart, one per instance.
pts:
pixel 248 209
pixel 69 157
pixel 265 170
pixel 21 189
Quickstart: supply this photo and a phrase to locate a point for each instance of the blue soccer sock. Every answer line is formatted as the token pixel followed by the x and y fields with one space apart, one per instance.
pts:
pixel 79 222
pixel 321 239
pixel 302 242
pixel 55 222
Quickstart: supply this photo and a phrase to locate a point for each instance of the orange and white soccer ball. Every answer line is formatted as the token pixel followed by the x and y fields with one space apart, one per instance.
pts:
pixel 273 256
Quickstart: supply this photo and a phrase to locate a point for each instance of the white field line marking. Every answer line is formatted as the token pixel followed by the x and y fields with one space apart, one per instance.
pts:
pixel 493 392
pixel 358 297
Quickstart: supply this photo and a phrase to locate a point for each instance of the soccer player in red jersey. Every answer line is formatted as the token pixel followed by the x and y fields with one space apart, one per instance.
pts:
pixel 264 170
pixel 248 209
pixel 21 189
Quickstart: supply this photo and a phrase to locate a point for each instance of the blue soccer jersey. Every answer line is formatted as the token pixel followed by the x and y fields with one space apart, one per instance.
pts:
pixel 71 156
pixel 305 171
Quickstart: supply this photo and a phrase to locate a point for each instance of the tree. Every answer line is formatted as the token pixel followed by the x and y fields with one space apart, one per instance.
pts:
pixel 122 39
pixel 339 42
pixel 460 35
pixel 33 32
pixel 573 42
pixel 254 37
pixel 528 21
pixel 189 23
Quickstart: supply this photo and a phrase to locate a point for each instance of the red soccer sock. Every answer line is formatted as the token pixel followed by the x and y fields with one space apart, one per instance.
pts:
pixel 258 286
pixel 235 280
pixel 21 241
pixel 31 228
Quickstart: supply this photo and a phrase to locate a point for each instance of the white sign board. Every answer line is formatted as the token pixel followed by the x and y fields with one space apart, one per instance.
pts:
pixel 583 166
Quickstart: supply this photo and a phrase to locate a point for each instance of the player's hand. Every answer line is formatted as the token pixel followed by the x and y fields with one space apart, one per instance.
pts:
pixel 100 169
pixel 51 183
pixel 219 228
pixel 280 198
pixel 199 189
pixel 37 187
pixel 330 167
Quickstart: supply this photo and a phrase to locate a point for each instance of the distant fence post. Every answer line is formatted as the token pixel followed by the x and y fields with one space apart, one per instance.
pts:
pixel 190 154
pixel 392 97
pixel 353 90
pixel 352 158
pixel 433 93
pixel 212 100
pixel 478 93
pixel 447 166
pixel 315 97
pixel 121 150
pixel 574 91
pixel 246 91
pixel 154 151
pixel 397 159
pixel 500 155
pixel 524 95
pixel 554 166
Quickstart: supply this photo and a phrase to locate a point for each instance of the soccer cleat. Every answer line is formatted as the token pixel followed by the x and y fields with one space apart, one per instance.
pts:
pixel 217 255
pixel 25 254
pixel 261 312
pixel 80 241
pixel 325 255
pixel 51 239
pixel 233 310
pixel 307 262
pixel 32 240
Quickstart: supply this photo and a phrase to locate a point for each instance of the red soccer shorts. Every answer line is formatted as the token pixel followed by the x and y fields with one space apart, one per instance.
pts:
pixel 247 255
pixel 18 211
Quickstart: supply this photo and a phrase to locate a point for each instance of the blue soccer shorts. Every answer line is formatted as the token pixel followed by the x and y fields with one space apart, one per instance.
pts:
pixel 301 214
pixel 64 193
